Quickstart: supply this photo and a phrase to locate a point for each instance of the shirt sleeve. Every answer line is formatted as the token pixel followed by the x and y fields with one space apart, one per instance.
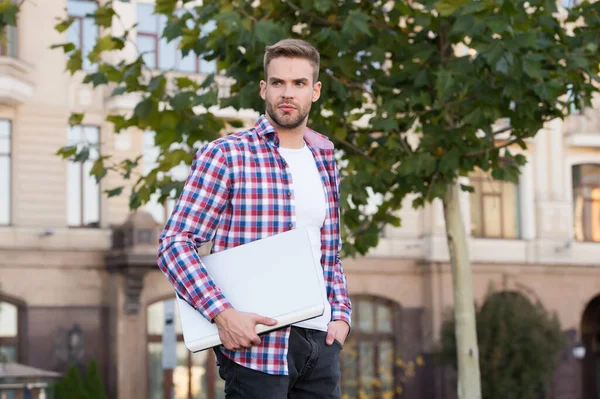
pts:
pixel 192 223
pixel 341 309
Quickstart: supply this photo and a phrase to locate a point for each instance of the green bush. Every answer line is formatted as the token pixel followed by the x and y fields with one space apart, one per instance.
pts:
pixel 519 343
pixel 74 386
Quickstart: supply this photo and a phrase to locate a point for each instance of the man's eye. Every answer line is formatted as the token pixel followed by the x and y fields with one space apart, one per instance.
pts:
pixel 300 84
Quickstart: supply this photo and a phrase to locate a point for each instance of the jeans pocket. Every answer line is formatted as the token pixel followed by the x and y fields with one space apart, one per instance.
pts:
pixel 338 344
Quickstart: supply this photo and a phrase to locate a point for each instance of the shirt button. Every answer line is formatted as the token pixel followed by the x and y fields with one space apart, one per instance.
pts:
pixel 284 164
pixel 290 225
pixel 289 194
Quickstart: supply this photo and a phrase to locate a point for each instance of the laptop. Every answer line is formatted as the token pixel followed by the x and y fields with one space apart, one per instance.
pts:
pixel 276 277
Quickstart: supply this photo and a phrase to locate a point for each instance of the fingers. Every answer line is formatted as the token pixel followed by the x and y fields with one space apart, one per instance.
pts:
pixel 330 337
pixel 255 340
pixel 267 321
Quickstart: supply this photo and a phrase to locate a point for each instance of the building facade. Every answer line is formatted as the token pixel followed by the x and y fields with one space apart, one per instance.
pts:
pixel 78 279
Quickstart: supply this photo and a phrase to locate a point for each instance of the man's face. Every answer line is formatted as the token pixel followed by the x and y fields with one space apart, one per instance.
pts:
pixel 289 91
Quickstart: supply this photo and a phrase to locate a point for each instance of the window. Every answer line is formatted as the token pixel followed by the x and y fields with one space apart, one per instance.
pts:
pixel 9 332
pixel 10 47
pixel 83 32
pixel 159 54
pixel 83 193
pixel 494 207
pixel 5 172
pixel 196 375
pixel 586 202
pixel 369 358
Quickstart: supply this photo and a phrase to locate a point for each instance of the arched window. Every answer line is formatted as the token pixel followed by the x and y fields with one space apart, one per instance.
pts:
pixel 586 202
pixel 9 332
pixel 196 375
pixel 369 359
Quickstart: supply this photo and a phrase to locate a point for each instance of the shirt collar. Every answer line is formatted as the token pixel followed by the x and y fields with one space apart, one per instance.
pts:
pixel 313 139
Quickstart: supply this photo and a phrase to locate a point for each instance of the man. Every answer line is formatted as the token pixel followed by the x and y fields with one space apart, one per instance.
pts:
pixel 277 176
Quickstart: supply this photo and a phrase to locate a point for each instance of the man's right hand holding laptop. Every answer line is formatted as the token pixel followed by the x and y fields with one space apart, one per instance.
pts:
pixel 237 329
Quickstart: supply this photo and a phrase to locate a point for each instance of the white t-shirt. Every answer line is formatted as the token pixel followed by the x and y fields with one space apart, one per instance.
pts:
pixel 310 208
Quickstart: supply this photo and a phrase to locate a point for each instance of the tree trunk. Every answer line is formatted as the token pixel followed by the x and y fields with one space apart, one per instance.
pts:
pixel 469 382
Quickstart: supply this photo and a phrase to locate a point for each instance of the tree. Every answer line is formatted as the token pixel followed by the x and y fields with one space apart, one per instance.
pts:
pixel 412 93
pixel 519 344
pixel 71 385
pixel 93 382
pixel 74 385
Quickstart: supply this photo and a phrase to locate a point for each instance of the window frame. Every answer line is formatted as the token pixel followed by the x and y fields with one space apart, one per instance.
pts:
pixel 82 176
pixel 9 156
pixel 375 338
pixel 476 180
pixel 157 39
pixel 16 341
pixel 211 369
pixel 79 20
pixel 586 200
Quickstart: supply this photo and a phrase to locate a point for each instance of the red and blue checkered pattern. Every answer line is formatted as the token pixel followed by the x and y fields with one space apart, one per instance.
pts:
pixel 239 190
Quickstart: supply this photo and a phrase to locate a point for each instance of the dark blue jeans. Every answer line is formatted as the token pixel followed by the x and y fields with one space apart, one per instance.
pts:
pixel 314 371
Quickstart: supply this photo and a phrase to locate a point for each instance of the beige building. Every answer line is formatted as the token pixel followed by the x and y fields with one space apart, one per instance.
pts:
pixel 78 278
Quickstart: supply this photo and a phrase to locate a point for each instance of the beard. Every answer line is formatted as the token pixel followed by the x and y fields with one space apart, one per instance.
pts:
pixel 287 120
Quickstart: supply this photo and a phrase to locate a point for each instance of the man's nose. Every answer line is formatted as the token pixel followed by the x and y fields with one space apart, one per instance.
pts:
pixel 288 91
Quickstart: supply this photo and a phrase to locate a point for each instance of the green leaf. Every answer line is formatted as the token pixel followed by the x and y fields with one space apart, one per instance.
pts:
pixel 97 79
pixel 448 7
pixel 173 30
pixel 119 121
pixel 450 161
pixel 236 123
pixel 75 62
pixel 465 187
pixel 168 120
pixel 157 84
pixel 340 132
pixel 105 43
pixel 386 124
pixel 502 66
pixel 322 6
pixel 267 31
pixel 82 155
pixel 62 26
pixel 143 108
pixel 114 192
pixel 181 100
pixel 356 22
pixel 104 15
pixel 166 7
pixel 8 12
pixel 185 82
pixel 67 47
pixel 532 67
pixel 98 170
pixel 75 118
pixel 67 151
pixel 119 91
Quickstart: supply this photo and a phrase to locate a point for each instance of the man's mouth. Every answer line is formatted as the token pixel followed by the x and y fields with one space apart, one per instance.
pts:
pixel 287 108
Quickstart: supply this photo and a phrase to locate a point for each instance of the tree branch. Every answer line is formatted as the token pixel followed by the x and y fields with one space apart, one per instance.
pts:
pixel 506 129
pixel 356 149
pixel 507 144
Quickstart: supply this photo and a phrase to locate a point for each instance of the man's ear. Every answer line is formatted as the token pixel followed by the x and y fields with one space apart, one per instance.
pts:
pixel 263 89
pixel 316 91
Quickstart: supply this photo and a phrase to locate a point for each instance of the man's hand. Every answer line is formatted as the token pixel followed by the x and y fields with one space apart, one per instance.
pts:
pixel 337 329
pixel 238 329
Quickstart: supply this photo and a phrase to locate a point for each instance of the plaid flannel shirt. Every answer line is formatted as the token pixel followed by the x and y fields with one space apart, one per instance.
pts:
pixel 239 190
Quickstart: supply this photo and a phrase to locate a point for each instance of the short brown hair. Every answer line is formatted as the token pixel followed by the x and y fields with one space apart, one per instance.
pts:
pixel 293 48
